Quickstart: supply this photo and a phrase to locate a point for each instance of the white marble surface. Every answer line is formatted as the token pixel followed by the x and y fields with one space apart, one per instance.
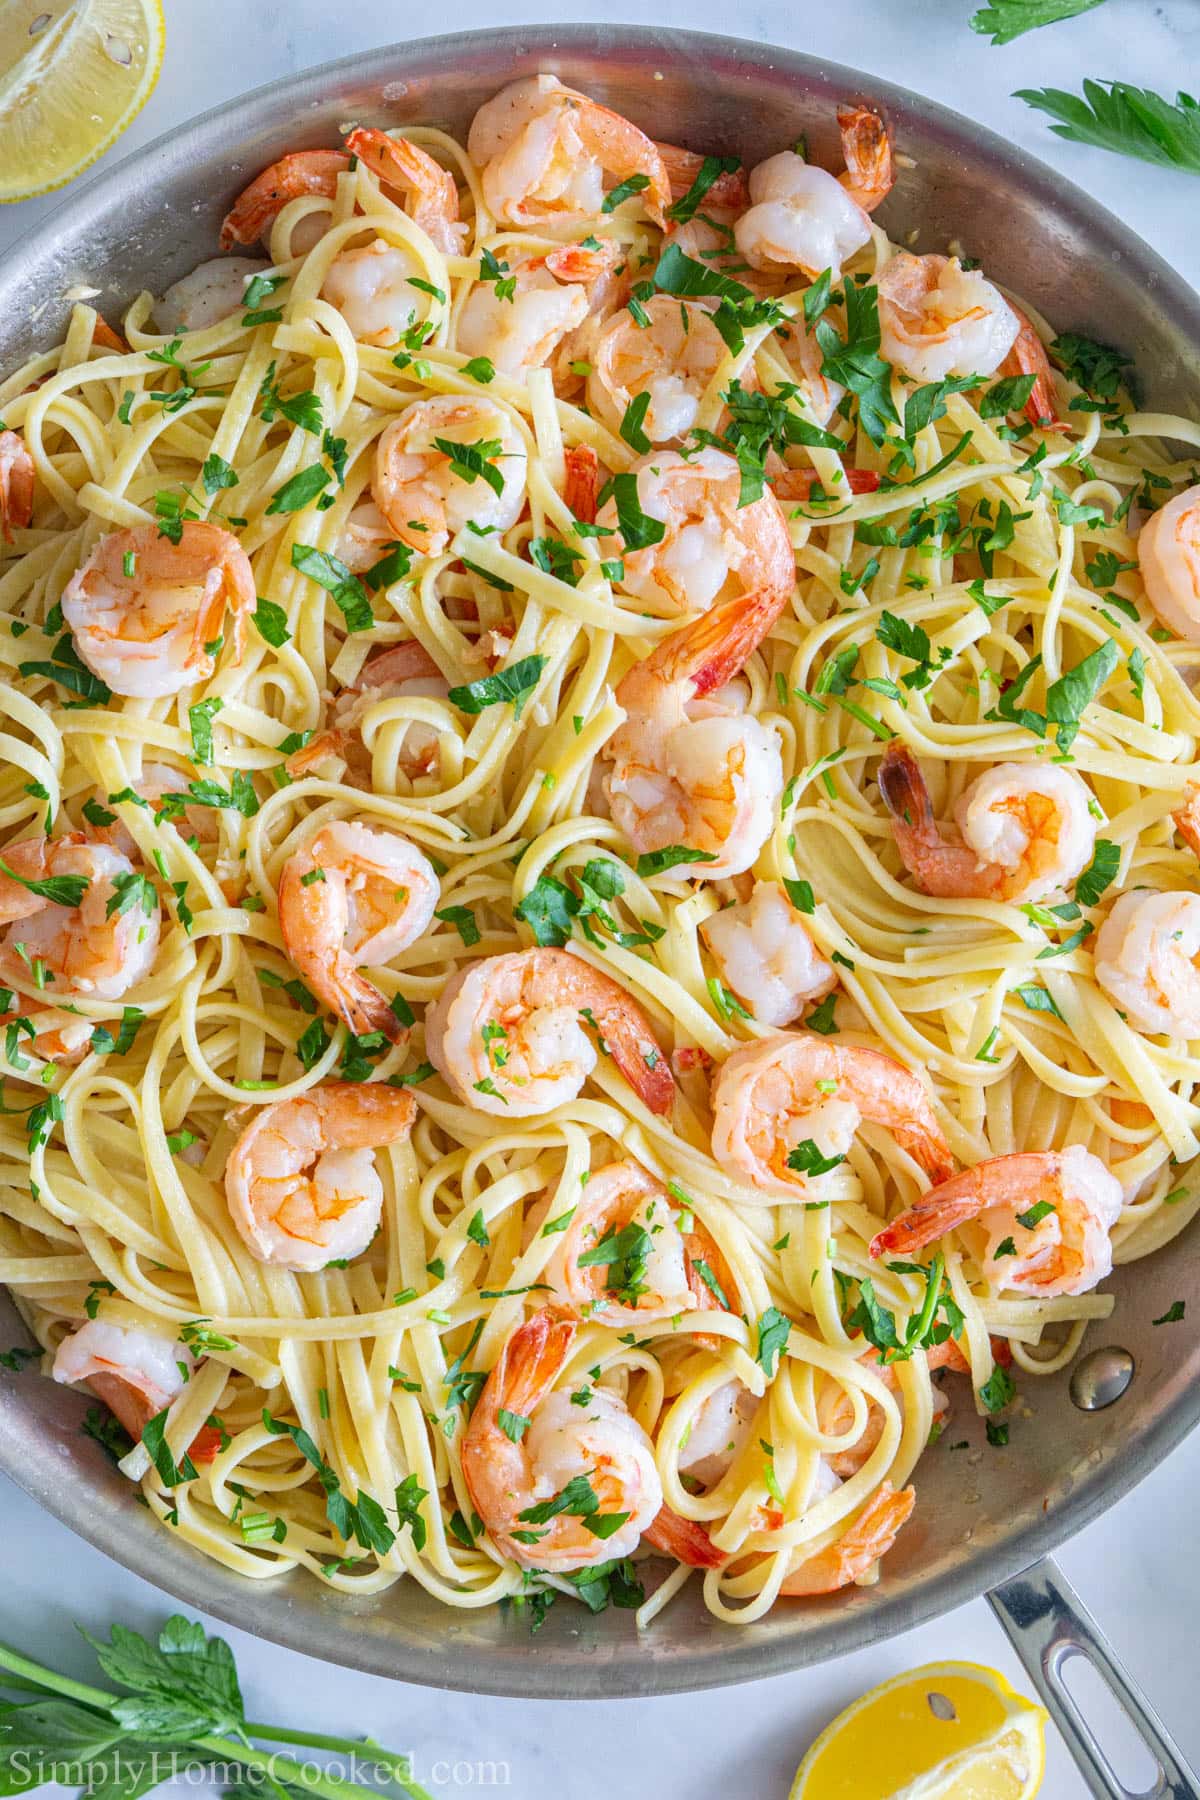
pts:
pixel 1137 1566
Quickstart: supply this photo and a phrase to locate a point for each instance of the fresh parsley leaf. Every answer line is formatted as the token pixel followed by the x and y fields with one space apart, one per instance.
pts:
pixel 772 1336
pixel 270 621
pixel 1100 873
pixel 1129 120
pixel 656 862
pixel 1009 19
pixel 512 684
pixel 344 589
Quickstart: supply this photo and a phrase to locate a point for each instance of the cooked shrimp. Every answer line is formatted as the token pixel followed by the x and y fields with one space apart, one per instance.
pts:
pixel 801 218
pixel 507 1034
pixel 354 895
pixel 510 1482
pixel 684 1539
pixel 641 1272
pixel 867 150
pixel 1148 961
pixel 428 193
pixel 581 490
pixel 835 1408
pixel 1028 357
pixel 937 319
pixel 1065 1249
pixel 711 548
pixel 721 1428
pixel 16 484
pixel 301 1181
pixel 855 1554
pixel 300 172
pixel 772 1096
pixel 1027 829
pixel 798 484
pixel 1186 818
pixel 136 1373
pixel 102 946
pixel 425 495
pixel 765 954
pixel 550 300
pixel 804 218
pixel 47 1031
pixel 145 611
pixel 207 295
pixel 396 673
pixel 1168 549
pixel 371 286
pixel 673 359
pixel 544 151
pixel 728 191
pixel 690 766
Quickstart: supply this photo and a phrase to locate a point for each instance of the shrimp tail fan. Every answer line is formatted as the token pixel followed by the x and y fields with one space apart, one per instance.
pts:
pixel 684 1539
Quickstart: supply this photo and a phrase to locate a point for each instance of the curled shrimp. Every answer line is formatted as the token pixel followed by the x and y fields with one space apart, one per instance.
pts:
pixel 1168 550
pixel 1028 830
pixel 136 1373
pixel 207 294
pixel 767 957
pixel 429 195
pixel 301 1181
pixel 711 548
pixel 802 217
pixel 371 286
pixel 51 1033
pixel 510 1481
pixel 298 173
pixel 551 299
pixel 690 766
pixel 544 149
pixel 101 946
pixel 427 493
pixel 16 484
pixel 672 358
pixel 641 1271
pixel 396 673
pixel 1148 961
pixel 625 1257
pixel 937 319
pixel 835 1406
pixel 857 1551
pixel 774 1095
pixel 354 895
pixel 508 1034
pixel 1048 1215
pixel 145 611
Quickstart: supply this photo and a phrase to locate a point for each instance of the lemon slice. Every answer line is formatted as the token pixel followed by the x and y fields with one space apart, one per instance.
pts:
pixel 72 76
pixel 948 1731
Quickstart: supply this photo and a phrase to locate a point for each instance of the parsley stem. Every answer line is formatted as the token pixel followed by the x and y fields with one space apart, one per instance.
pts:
pixel 318 1740
pixel 46 1680
pixel 933 1293
pixel 283 1768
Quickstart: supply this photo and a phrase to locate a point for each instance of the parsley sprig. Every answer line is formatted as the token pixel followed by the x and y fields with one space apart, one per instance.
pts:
pixel 175 1705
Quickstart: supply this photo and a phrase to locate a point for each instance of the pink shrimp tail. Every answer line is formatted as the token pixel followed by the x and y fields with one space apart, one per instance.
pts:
pixel 1187 819
pixel 717 645
pixel 433 197
pixel 728 192
pixel 300 172
pixel 798 484
pixel 950 1204
pixel 106 338
pixel 582 487
pixel 684 1539
pixel 530 1363
pixel 867 150
pixel 1028 357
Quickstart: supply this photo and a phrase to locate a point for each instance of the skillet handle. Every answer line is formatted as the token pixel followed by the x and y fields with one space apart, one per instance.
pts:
pixel 1048 1624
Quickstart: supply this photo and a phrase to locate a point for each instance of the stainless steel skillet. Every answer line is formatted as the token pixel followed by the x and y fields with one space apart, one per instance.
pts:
pixel 984 1515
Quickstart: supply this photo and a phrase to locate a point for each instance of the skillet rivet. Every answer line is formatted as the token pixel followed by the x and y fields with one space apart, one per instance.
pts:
pixel 1101 1377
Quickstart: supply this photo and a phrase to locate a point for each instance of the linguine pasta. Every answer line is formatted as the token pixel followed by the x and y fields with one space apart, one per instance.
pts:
pixel 947 607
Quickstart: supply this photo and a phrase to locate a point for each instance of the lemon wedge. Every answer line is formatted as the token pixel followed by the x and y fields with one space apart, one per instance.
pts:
pixel 948 1731
pixel 72 77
